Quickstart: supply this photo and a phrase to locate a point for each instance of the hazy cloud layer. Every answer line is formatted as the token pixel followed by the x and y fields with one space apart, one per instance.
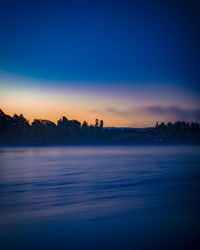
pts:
pixel 170 112
pixel 175 112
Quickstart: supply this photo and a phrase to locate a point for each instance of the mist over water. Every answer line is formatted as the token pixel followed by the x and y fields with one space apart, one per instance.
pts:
pixel 137 197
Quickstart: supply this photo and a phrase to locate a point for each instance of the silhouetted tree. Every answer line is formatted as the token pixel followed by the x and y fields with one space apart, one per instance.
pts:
pixel 17 129
pixel 96 122
pixel 101 124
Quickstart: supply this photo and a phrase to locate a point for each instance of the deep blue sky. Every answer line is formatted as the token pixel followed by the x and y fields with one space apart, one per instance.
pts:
pixel 101 41
pixel 135 53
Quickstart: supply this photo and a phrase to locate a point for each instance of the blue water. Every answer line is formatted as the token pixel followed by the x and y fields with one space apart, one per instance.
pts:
pixel 140 197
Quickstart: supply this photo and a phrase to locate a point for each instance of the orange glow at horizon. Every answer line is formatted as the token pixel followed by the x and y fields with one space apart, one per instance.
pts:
pixel 124 108
pixel 35 106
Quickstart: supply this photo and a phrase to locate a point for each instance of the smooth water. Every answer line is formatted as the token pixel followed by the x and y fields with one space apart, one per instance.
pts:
pixel 140 197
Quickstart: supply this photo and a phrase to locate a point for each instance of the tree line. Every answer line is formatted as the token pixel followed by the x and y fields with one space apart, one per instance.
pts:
pixel 16 129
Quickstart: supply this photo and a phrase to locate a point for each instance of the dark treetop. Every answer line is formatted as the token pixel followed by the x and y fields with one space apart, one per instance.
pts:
pixel 17 130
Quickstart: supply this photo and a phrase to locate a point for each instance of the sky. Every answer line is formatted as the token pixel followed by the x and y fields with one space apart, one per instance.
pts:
pixel 130 63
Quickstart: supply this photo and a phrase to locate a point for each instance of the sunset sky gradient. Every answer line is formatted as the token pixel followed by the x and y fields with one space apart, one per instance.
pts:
pixel 130 63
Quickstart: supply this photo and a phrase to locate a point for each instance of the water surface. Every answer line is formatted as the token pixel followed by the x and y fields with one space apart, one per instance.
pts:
pixel 140 197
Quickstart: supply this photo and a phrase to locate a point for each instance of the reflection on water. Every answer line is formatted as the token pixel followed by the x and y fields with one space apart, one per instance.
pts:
pixel 99 197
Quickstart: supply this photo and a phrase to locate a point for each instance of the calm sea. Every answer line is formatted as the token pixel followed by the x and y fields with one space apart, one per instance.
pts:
pixel 140 197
